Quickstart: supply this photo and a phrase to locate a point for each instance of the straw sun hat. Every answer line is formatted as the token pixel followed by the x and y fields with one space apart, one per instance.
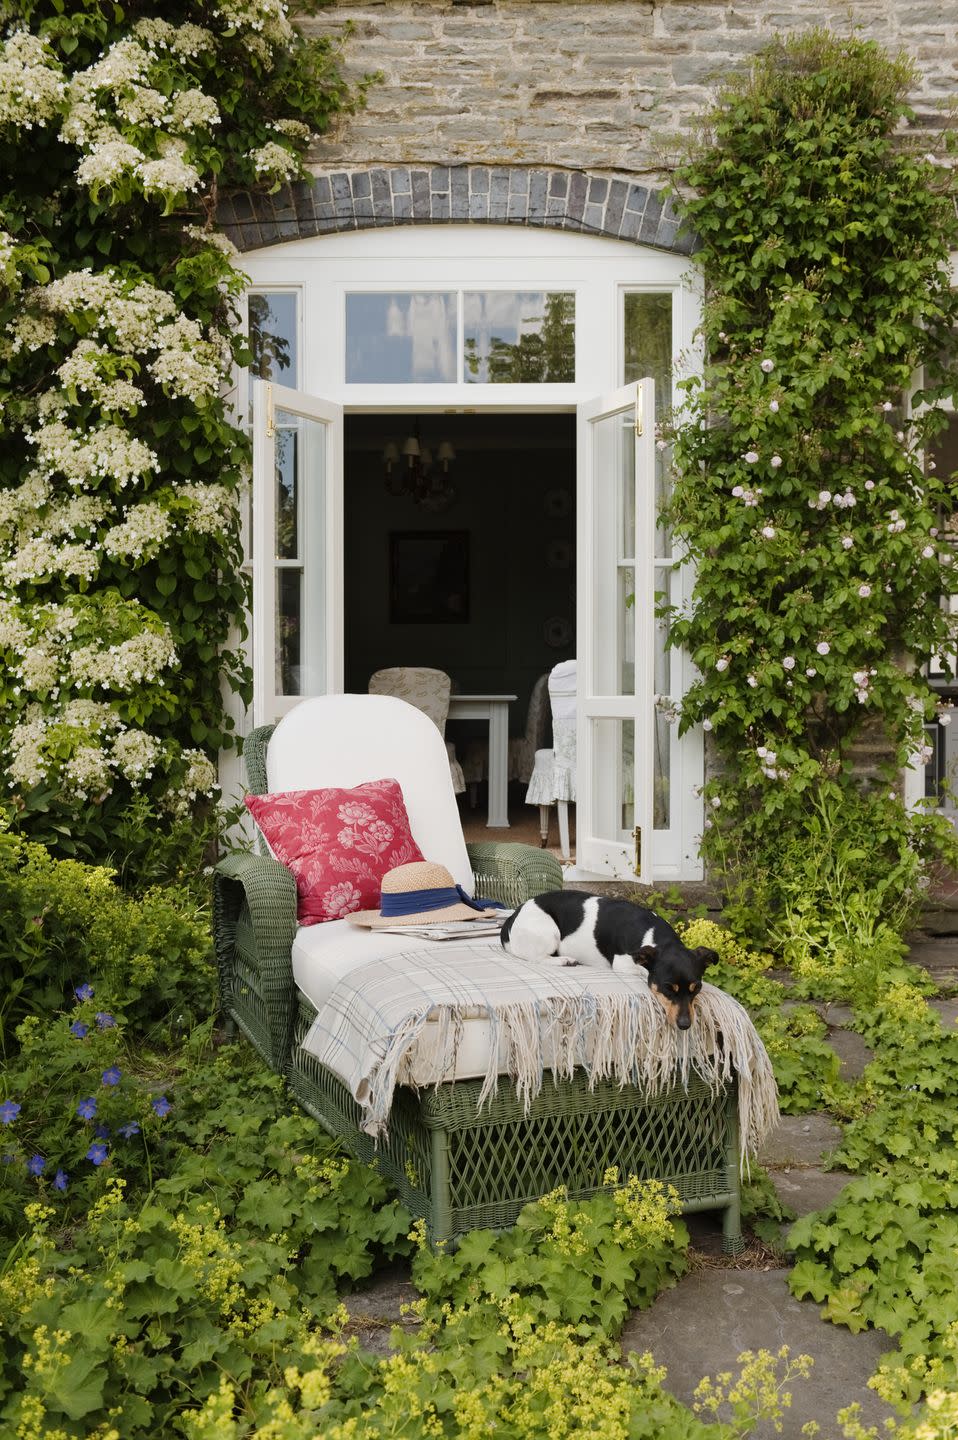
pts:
pixel 420 894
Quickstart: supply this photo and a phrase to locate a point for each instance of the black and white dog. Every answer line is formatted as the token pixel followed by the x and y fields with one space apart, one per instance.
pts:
pixel 570 927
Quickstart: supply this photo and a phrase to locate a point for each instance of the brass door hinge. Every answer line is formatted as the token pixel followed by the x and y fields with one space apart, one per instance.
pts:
pixel 639 418
pixel 637 837
pixel 270 416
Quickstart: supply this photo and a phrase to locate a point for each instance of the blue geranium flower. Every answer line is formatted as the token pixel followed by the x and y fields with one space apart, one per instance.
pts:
pixel 35 1164
pixel 131 1128
pixel 112 1076
pixel 9 1111
pixel 104 1020
pixel 84 991
pixel 161 1105
pixel 60 1180
pixel 86 1109
pixel 97 1152
pixel 101 1132
pixel 79 1029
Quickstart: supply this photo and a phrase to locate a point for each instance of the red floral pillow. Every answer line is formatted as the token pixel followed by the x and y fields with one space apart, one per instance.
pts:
pixel 338 843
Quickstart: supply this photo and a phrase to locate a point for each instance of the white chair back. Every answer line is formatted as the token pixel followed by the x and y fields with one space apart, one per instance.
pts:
pixel 562 697
pixel 347 739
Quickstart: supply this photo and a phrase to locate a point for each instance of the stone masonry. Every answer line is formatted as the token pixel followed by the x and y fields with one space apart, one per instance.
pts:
pixel 606 86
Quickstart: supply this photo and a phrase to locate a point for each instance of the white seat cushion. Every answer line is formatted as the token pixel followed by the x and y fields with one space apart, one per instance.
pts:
pixel 324 954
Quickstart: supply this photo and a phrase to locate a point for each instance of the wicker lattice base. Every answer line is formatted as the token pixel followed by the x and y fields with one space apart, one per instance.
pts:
pixel 460 1170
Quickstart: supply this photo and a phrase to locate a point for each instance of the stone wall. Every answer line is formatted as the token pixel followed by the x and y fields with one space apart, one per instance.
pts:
pixel 597 85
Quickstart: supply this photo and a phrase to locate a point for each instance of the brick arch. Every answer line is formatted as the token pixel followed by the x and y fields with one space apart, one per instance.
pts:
pixel 369 197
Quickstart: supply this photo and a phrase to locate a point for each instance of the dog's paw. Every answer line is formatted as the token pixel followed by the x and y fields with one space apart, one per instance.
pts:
pixel 565 960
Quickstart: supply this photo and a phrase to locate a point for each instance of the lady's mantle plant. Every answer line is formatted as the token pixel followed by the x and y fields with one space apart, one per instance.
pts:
pixel 120 469
pixel 801 492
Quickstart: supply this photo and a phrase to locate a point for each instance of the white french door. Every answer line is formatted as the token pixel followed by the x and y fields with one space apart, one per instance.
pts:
pixel 617 634
pixel 297 549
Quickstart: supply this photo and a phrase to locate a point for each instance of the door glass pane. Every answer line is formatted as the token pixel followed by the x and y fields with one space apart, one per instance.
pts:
pixel 666 713
pixel 519 337
pixel 613 777
pixel 401 338
pixel 300 497
pixel 614 534
pixel 289 632
pixel 648 343
pixel 274 336
pixel 287 491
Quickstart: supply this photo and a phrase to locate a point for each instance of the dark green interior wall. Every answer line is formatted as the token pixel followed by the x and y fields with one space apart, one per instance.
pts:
pixel 517 506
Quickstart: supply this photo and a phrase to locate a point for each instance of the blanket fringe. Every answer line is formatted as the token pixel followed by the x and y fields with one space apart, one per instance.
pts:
pixel 626 1037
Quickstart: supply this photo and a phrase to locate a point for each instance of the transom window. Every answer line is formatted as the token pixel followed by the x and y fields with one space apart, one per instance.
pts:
pixel 472 337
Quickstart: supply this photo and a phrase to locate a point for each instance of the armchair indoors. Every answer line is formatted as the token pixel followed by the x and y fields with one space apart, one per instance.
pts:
pixel 453 1164
pixel 553 775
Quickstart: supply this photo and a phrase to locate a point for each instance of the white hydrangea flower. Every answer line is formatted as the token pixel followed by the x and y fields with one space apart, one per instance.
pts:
pixel 32 87
pixel 213 507
pixel 136 754
pixel 219 242
pixel 121 667
pixel 107 162
pixel 168 176
pixel 275 160
pixel 141 534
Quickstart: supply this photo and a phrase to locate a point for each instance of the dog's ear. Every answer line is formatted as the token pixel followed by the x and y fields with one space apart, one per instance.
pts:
pixel 648 955
pixel 704 957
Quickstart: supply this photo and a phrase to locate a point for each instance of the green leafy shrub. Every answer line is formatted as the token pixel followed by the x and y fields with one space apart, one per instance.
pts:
pixel 582 1263
pixel 63 923
pixel 800 491
pixel 805 1065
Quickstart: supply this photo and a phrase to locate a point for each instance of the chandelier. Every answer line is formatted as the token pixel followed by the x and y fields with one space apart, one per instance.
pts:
pixel 414 471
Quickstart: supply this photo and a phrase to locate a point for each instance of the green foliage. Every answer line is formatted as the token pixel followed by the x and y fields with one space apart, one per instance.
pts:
pixel 63 923
pixel 582 1264
pixel 800 493
pixel 121 588
pixel 805 1065
pixel 214 1258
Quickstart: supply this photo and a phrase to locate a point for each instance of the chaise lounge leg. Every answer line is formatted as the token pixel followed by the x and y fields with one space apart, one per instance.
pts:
pixel 732 1242
pixel 439 1186
pixel 544 824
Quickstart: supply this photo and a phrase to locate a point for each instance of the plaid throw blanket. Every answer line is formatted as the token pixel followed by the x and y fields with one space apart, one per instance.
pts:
pixel 542 1016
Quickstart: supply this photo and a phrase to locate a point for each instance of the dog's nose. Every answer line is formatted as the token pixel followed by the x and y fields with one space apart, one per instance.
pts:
pixel 684 1021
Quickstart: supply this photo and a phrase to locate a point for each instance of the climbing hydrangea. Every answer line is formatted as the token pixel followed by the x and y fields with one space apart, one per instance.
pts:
pixel 121 462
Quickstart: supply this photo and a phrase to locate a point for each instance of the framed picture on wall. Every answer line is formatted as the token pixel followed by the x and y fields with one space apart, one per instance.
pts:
pixel 429 577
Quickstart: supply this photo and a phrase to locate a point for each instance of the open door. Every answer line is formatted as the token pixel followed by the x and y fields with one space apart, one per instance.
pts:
pixel 297 549
pixel 617 634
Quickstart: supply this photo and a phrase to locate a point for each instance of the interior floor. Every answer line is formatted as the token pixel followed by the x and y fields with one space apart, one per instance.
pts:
pixel 523 824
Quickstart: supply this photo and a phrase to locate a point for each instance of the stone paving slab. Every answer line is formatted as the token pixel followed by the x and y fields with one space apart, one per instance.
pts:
pixel 947 1009
pixel 939 958
pixel 804 1189
pixel 799 1140
pixel 701 1327
pixel 853 1054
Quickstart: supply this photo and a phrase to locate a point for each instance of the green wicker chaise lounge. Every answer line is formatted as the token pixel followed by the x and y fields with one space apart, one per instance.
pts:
pixel 456 1168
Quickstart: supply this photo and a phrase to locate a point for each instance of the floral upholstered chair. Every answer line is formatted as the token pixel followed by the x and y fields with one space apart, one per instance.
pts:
pixel 429 691
pixel 553 775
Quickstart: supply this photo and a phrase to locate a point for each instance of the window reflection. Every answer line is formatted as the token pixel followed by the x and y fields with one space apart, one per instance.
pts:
pixel 648 343
pixel 401 338
pixel 519 337
pixel 273 336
